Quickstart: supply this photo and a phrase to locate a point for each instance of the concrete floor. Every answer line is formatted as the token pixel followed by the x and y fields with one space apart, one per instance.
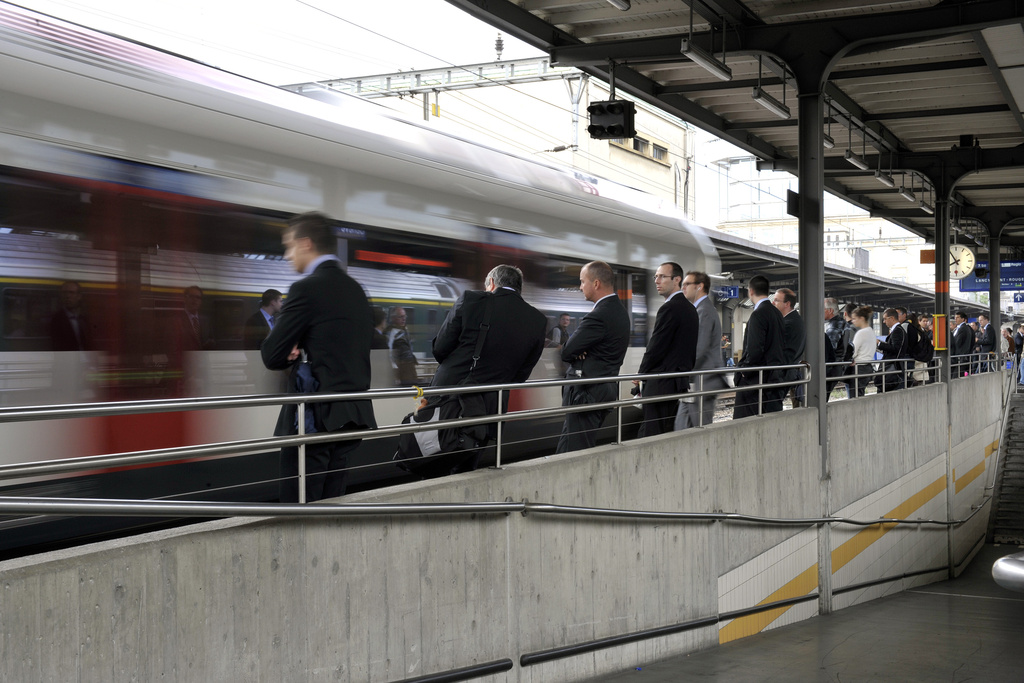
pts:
pixel 969 629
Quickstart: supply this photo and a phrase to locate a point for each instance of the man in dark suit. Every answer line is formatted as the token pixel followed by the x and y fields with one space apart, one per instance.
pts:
pixel 986 341
pixel 963 340
pixel 260 323
pixel 701 410
pixel 762 345
pixel 327 316
pixel 894 351
pixel 70 329
pixel 512 346
pixel 595 349
pixel 794 339
pixel 672 348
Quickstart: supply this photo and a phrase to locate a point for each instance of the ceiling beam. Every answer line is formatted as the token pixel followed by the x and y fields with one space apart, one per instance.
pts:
pixel 906 69
pixel 997 75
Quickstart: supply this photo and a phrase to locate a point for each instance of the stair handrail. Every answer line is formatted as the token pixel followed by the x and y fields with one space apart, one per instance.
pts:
pixel 1004 426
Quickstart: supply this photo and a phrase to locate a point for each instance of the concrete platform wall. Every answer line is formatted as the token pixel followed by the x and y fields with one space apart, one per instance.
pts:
pixel 390 598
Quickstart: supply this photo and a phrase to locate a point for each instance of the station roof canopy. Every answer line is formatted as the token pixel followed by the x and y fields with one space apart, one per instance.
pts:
pixel 927 94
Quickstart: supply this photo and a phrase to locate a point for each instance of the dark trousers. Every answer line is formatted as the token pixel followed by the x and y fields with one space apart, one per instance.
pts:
pixel 659 418
pixel 746 401
pixel 326 475
pixel 579 430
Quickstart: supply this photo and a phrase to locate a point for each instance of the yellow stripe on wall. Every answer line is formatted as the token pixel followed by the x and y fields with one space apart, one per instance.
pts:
pixel 976 471
pixel 841 556
pixel 755 623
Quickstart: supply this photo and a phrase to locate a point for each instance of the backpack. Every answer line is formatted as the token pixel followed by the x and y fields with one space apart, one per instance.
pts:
pixel 923 350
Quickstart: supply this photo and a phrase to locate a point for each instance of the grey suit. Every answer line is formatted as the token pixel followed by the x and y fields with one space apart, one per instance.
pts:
pixel 709 356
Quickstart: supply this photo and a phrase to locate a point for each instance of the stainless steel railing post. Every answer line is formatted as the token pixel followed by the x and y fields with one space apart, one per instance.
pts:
pixel 302 453
pixel 497 462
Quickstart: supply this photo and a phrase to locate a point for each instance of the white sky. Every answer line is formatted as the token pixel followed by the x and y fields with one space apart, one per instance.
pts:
pixel 293 41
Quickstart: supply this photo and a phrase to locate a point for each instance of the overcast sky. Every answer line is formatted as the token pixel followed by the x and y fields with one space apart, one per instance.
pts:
pixel 294 41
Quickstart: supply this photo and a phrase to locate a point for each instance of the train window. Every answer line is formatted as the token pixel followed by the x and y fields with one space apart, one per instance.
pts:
pixel 228 320
pixel 27 313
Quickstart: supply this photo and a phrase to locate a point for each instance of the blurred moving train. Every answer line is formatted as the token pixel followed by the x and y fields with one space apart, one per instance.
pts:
pixel 138 173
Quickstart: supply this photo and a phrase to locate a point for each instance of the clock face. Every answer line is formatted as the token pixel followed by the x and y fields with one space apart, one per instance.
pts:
pixel 961 261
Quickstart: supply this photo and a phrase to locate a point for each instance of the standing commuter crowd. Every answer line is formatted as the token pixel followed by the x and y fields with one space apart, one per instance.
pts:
pixel 323 331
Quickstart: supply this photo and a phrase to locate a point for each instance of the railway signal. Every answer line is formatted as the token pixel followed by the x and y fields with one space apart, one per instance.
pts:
pixel 611 120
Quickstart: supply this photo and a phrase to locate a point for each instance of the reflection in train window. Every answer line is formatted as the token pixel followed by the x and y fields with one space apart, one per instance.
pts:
pixel 27 313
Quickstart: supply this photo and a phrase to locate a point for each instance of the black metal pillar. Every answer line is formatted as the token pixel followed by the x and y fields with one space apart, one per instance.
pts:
pixel 811 170
pixel 942 288
pixel 994 286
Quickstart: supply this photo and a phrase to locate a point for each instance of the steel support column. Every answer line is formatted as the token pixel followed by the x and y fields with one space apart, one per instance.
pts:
pixel 994 287
pixel 942 355
pixel 811 171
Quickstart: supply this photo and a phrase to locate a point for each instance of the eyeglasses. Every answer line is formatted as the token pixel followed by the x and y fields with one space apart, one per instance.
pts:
pixel 659 277
pixel 689 284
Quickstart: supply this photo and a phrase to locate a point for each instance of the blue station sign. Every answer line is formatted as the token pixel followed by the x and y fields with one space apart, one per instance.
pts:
pixel 728 292
pixel 1011 277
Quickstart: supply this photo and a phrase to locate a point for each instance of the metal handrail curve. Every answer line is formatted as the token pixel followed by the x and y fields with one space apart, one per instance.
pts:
pixel 15 505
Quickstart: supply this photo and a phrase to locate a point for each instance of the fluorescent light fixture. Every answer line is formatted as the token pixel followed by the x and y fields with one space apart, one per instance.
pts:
pixel 885 179
pixel 907 194
pixel 619 4
pixel 770 103
pixel 828 141
pixel 706 60
pixel 927 208
pixel 855 159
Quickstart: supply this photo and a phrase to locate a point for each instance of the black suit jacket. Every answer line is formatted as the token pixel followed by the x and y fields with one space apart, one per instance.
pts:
pixel 62 334
pixel 794 337
pixel 963 340
pixel 673 346
pixel 895 345
pixel 763 344
pixel 603 335
pixel 513 345
pixel 986 339
pixel 327 315
pixel 255 331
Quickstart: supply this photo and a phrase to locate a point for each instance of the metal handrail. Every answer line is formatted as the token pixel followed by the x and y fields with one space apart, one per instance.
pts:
pixel 78 410
pixel 13 505
pixel 252 446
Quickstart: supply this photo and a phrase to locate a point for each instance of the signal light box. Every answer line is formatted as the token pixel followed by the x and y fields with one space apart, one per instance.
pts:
pixel 611 120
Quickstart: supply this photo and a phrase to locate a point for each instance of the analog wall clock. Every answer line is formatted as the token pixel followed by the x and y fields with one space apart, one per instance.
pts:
pixel 961 261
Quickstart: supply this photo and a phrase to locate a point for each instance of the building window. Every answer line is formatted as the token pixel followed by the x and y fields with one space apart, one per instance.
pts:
pixel 645 148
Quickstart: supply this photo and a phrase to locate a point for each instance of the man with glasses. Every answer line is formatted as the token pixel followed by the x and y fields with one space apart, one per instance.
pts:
pixel 673 348
pixel 700 410
pixel 894 351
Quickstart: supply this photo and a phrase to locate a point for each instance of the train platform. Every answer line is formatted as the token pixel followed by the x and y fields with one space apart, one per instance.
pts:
pixel 916 635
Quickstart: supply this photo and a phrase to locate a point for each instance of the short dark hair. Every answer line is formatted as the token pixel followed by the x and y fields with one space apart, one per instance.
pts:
pixel 506 276
pixel 984 315
pixel 677 270
pixel 599 270
pixel 192 288
pixel 890 313
pixel 960 314
pixel 759 285
pixel 702 279
pixel 848 309
pixel 378 315
pixel 900 309
pixel 788 295
pixel 315 226
pixel 865 312
pixel 269 296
